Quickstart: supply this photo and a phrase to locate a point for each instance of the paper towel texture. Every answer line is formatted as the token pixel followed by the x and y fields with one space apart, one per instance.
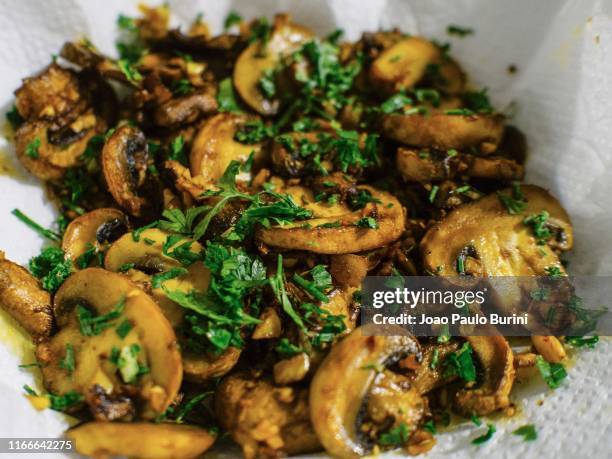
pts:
pixel 562 91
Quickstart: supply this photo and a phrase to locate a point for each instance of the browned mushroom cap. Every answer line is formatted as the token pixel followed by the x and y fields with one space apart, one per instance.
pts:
pixel 51 94
pixel 140 439
pixel 200 368
pixel 46 151
pixel 343 382
pixel 335 228
pixel 504 246
pixel 495 383
pixel 444 131
pixel 408 61
pixel 349 270
pixel 147 341
pixel 265 419
pixel 185 109
pixel 422 166
pixel 214 147
pixel 22 297
pixel 148 255
pixel 96 228
pixel 260 57
pixel 124 162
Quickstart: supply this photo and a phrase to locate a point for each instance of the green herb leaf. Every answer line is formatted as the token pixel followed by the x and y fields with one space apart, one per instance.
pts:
pixel 486 437
pixel 516 203
pixel 582 341
pixel 396 436
pixel 286 349
pixel 158 279
pixel 232 19
pixel 226 98
pixel 92 325
pixel 367 222
pixel 31 149
pixel 539 226
pixel 458 30
pixel 460 363
pixel 528 432
pixel 14 118
pixel 68 363
pixel 44 232
pixel 124 328
pixel 51 267
pixel 552 373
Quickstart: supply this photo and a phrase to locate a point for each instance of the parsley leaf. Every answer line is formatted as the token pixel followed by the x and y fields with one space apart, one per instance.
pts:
pixel 232 19
pixel 31 149
pixel 460 363
pixel 515 203
pixel 539 226
pixel 581 341
pixel 396 436
pixel 367 222
pixel 395 103
pixel 226 97
pixel 459 31
pixel 51 267
pixel 528 432
pixel 68 363
pixel 286 349
pixel 158 279
pixel 93 325
pixel 486 437
pixel 14 118
pixel 552 373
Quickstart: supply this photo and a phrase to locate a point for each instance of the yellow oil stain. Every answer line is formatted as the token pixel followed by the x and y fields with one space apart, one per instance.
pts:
pixel 16 339
pixel 7 166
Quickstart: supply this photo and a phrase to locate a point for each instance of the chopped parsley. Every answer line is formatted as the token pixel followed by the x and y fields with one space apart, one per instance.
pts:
pixel 582 341
pixel 460 364
pixel 93 325
pixel 253 132
pixel 552 373
pixel 177 221
pixel 539 226
pixel 459 31
pixel 395 103
pixel 528 432
pixel 478 101
pixel 486 437
pixel 367 222
pixel 31 149
pixel 396 436
pixel 286 349
pixel 232 19
pixel 158 279
pixel 226 97
pixel 51 267
pixel 68 363
pixel 515 203
pixel 124 328
pixel 127 363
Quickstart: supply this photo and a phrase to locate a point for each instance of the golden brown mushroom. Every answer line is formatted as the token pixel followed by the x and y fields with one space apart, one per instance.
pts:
pixel 425 166
pixel 124 162
pixel 334 228
pixel 140 439
pixel 214 147
pixel 505 246
pixel 265 420
pixel 260 57
pixel 22 297
pixel 408 61
pixel 445 131
pixel 90 307
pixel 343 382
pixel 93 229
pixel 492 392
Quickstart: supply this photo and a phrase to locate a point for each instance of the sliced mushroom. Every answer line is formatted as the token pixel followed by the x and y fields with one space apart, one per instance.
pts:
pixel 22 297
pixel 147 341
pixel 505 246
pixel 140 439
pixel 430 375
pixel 93 229
pixel 124 162
pixel 147 254
pixel 46 152
pixel 334 229
pixel 342 383
pixel 201 367
pixel 261 57
pixel 51 94
pixel 214 147
pixel 265 420
pixel 445 131
pixel 423 166
pixel 185 109
pixel 493 388
pixel 408 61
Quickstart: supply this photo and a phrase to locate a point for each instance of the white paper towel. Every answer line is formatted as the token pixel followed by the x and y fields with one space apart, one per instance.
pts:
pixel 563 94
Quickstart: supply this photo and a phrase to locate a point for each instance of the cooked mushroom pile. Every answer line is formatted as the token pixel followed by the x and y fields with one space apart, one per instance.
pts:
pixel 222 198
